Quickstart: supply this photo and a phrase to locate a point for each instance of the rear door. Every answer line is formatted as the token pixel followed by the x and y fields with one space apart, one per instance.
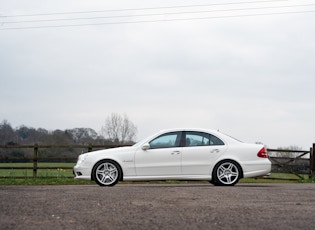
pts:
pixel 200 151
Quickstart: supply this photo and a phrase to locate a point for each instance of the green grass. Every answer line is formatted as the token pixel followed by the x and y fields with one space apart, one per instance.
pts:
pixel 59 171
pixel 62 176
pixel 277 178
pixel 57 176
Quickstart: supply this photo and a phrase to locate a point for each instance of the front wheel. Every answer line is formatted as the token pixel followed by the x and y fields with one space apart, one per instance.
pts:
pixel 226 173
pixel 106 173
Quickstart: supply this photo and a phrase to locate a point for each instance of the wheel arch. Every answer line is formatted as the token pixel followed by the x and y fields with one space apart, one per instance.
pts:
pixel 229 159
pixel 110 160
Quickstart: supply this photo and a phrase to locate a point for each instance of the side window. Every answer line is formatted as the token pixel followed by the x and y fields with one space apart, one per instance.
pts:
pixel 167 140
pixel 215 141
pixel 197 139
pixel 201 139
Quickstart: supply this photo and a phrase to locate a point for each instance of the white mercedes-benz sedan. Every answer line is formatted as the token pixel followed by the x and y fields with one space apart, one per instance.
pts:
pixel 177 154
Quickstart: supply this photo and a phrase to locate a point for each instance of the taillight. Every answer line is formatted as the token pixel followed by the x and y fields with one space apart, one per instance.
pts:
pixel 263 153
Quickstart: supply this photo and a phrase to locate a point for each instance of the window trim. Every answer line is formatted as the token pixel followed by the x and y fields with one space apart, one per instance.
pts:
pixel 177 141
pixel 184 134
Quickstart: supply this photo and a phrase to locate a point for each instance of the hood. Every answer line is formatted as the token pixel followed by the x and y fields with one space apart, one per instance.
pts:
pixel 112 150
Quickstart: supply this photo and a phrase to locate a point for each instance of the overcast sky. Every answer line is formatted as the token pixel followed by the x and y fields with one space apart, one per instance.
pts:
pixel 246 69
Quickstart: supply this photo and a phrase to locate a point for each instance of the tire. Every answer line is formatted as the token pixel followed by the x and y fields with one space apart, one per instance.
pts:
pixel 226 173
pixel 106 173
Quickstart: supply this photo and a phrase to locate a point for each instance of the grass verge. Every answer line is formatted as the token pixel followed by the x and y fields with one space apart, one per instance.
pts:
pixel 61 176
pixel 71 181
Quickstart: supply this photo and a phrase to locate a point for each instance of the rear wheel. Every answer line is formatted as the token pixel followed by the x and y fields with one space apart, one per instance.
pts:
pixel 226 173
pixel 106 173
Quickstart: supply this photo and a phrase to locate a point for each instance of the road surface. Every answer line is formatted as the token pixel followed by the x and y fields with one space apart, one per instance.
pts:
pixel 158 206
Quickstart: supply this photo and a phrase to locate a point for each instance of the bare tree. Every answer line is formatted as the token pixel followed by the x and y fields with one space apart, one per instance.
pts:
pixel 119 129
pixel 7 134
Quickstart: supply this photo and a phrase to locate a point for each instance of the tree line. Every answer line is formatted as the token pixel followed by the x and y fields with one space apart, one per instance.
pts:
pixel 117 130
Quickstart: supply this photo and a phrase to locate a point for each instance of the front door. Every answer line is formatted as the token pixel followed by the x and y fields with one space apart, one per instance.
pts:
pixel 163 158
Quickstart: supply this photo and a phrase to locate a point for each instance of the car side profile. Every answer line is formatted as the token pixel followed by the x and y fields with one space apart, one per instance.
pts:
pixel 176 154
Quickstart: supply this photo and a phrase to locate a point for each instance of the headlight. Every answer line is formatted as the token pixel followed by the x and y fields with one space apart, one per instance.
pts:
pixel 81 158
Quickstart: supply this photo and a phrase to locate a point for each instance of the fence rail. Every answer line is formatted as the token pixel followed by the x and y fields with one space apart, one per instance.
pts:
pixel 36 156
pixel 296 165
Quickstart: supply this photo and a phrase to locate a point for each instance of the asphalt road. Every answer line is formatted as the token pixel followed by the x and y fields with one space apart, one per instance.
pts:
pixel 158 206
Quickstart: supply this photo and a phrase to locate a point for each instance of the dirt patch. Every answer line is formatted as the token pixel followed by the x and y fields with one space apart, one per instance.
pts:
pixel 158 206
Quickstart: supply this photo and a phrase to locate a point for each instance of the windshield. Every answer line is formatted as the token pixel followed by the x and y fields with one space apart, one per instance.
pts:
pixel 143 141
pixel 138 144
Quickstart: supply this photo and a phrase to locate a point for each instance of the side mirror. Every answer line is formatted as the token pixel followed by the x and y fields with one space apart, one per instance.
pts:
pixel 146 146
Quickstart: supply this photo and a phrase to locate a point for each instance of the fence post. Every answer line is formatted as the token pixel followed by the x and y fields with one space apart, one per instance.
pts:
pixel 90 147
pixel 35 160
pixel 312 161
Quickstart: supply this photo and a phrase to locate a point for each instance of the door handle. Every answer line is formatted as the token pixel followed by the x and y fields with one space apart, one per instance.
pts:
pixel 175 152
pixel 215 151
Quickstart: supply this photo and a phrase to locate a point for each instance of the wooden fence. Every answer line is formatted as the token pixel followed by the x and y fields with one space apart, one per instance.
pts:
pixel 35 159
pixel 297 162
pixel 303 161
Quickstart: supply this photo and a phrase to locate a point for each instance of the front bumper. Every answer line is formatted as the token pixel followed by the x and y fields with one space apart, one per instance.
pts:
pixel 81 173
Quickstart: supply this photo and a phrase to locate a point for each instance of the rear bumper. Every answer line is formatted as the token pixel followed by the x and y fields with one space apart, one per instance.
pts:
pixel 258 169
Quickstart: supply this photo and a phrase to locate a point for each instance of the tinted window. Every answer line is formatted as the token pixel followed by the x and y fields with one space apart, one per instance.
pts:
pixel 168 140
pixel 201 139
pixel 215 141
